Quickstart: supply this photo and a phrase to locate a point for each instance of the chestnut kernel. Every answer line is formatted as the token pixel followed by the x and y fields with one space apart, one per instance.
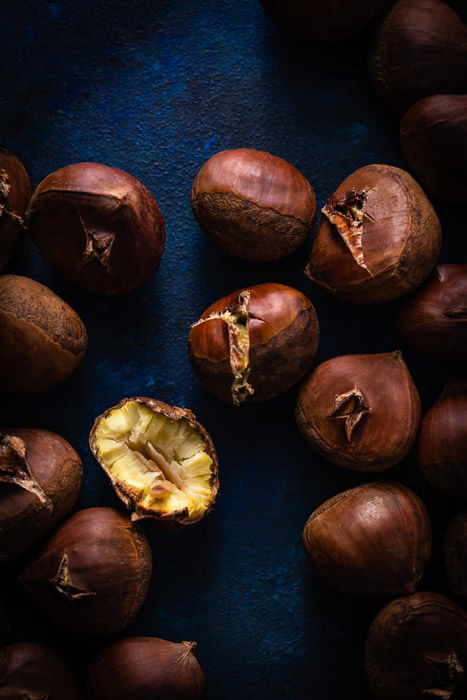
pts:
pixel 41 475
pixel 417 649
pixel 254 343
pixel 360 411
pixel 253 205
pixel 146 668
pixel 99 226
pixel 377 239
pixel 15 191
pixel 162 463
pixel 455 552
pixel 93 574
pixel 372 540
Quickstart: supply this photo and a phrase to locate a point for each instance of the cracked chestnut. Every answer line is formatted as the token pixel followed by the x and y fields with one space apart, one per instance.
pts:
pixel 253 205
pixel 146 668
pixel 360 411
pixel 93 573
pixel 15 191
pixel 99 226
pixel 373 540
pixel 254 343
pixel 40 477
pixel 417 649
pixel 455 553
pixel 378 237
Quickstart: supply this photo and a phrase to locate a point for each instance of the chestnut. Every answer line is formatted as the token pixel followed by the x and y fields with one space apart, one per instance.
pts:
pixel 253 205
pixel 377 239
pixel 99 226
pixel 417 649
pixel 372 540
pixel 93 574
pixel 15 191
pixel 433 320
pixel 360 411
pixel 254 343
pixel 455 552
pixel 434 143
pixel 41 475
pixel 146 668
pixel 419 50
pixel 43 339
pixel 161 461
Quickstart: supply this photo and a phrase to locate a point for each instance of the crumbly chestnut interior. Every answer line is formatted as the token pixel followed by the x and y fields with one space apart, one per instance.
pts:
pixel 159 463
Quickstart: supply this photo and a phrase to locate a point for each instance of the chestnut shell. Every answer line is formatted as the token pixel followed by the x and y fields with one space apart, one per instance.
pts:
pixel 15 191
pixel 455 552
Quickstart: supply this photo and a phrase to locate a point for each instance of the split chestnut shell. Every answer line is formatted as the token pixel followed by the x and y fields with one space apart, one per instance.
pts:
pixel 15 191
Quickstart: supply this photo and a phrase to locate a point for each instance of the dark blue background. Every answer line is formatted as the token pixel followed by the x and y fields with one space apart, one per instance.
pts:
pixel 156 88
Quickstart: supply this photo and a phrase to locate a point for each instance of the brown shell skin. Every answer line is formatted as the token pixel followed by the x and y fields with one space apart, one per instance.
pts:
pixel 373 540
pixel 385 425
pixel 401 239
pixel 455 552
pixel 253 205
pixel 43 339
pixel 419 50
pixel 75 209
pixel 283 343
pixel 434 143
pixel 35 672
pixel 178 518
pixel 146 668
pixel 433 320
pixel 418 644
pixel 53 470
pixel 109 566
pixel 13 203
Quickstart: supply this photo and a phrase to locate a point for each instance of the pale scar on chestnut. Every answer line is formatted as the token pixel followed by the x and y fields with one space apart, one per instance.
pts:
pixel 14 468
pixel 347 215
pixel 351 408
pixel 63 583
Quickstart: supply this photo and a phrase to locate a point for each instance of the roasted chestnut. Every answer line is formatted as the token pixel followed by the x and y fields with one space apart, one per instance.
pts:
pixel 162 463
pixel 15 191
pixel 41 475
pixel 252 204
pixel 35 672
pixel 417 649
pixel 254 343
pixel 377 239
pixel 373 540
pixel 434 143
pixel 433 320
pixel 360 411
pixel 419 50
pixel 93 573
pixel 455 550
pixel 146 668
pixel 43 339
pixel 99 226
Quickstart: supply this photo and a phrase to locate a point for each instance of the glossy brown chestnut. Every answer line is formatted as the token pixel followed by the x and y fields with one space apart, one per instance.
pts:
pixel 99 226
pixel 419 50
pixel 434 143
pixel 146 668
pixel 92 575
pixel 417 649
pixel 377 239
pixel 15 191
pixel 373 540
pixel 35 672
pixel 360 411
pixel 43 339
pixel 254 343
pixel 252 204
pixel 455 551
pixel 40 477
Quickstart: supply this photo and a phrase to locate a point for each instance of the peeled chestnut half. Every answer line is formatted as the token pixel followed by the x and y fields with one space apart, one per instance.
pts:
pixel 146 668
pixel 99 226
pixel 15 190
pixel 254 343
pixel 417 649
pixel 455 551
pixel 252 204
pixel 160 460
pixel 377 239
pixel 373 540
pixel 40 477
pixel 360 411
pixel 93 573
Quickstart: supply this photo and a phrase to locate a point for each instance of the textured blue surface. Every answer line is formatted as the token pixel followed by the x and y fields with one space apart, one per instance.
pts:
pixel 156 88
